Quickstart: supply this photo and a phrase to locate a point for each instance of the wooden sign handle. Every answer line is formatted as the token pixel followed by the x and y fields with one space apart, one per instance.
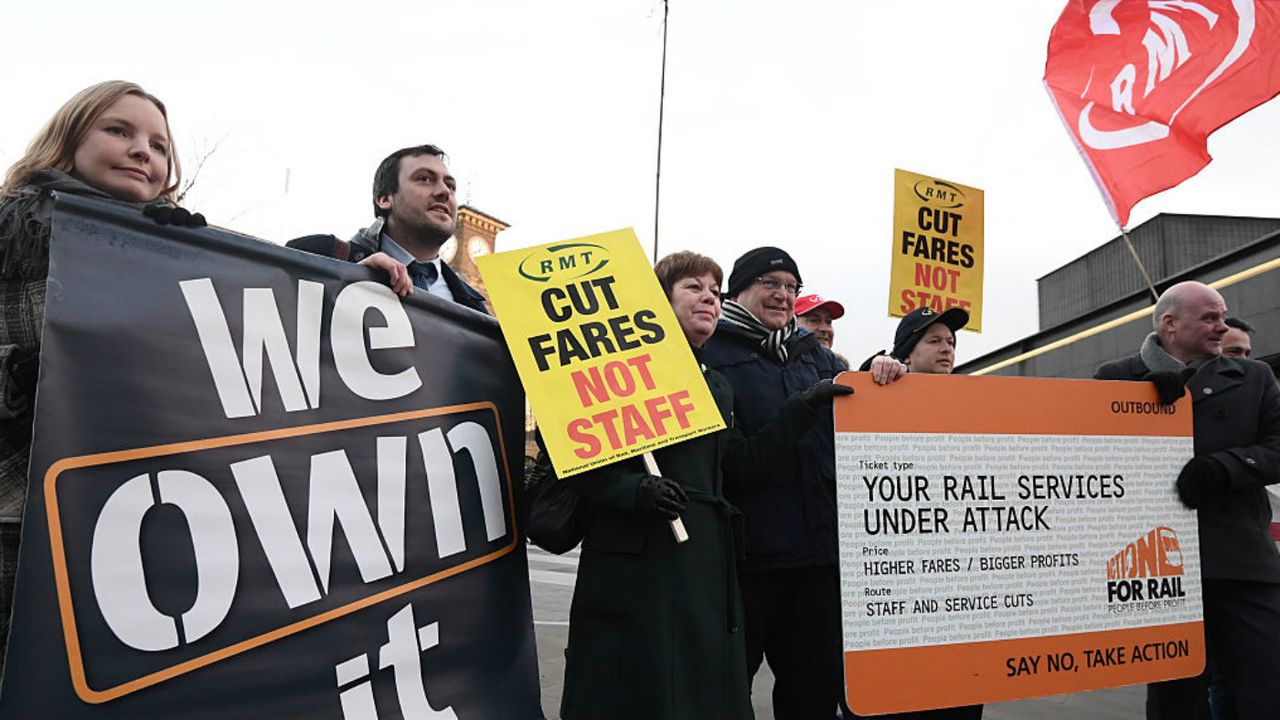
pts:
pixel 677 525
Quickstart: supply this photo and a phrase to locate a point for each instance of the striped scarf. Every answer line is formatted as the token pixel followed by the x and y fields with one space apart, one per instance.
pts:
pixel 774 342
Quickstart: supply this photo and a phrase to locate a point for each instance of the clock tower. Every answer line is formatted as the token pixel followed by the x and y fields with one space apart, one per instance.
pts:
pixel 476 234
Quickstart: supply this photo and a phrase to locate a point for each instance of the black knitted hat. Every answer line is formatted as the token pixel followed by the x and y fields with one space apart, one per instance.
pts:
pixel 755 263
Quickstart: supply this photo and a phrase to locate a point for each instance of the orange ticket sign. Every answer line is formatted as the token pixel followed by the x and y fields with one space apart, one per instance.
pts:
pixel 607 368
pixel 1006 538
pixel 937 247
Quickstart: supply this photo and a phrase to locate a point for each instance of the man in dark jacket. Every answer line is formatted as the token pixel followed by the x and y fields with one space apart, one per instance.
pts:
pixel 414 199
pixel 790 579
pixel 1236 409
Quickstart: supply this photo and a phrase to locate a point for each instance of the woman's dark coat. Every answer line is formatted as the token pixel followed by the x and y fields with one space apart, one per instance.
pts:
pixel 655 630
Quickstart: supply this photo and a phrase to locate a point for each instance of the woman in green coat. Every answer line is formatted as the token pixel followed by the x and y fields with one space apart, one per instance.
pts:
pixel 655 630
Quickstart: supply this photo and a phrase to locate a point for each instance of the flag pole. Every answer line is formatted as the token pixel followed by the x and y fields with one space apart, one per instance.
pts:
pixel 1155 297
pixel 662 98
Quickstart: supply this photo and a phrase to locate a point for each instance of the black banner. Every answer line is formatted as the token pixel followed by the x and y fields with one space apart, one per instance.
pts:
pixel 264 486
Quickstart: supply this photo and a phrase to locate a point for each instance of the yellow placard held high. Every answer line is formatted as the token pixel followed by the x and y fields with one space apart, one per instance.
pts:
pixel 605 364
pixel 937 247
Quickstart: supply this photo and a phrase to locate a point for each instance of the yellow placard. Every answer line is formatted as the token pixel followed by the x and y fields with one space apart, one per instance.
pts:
pixel 937 247
pixel 606 366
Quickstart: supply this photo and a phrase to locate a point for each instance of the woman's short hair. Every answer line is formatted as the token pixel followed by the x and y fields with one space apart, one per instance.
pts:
pixel 684 264
pixel 54 147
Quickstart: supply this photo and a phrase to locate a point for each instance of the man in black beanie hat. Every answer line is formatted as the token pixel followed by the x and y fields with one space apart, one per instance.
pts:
pixel 790 576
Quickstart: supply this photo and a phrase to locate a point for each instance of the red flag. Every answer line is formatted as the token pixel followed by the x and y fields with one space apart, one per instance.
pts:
pixel 1140 84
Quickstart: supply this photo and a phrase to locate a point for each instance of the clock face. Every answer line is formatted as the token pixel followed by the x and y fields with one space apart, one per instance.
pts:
pixel 449 249
pixel 477 247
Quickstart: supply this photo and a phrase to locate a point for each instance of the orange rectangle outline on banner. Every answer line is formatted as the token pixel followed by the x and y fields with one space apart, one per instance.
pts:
pixel 948 404
pixel 79 679
pixel 953 679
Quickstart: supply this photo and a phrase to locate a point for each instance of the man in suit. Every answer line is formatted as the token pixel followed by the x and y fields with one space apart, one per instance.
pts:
pixel 1236 409
pixel 415 201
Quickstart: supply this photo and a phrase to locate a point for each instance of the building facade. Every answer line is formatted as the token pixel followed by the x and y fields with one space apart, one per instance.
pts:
pixel 1097 308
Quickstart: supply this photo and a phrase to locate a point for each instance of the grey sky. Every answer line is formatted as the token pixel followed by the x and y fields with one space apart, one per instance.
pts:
pixel 784 123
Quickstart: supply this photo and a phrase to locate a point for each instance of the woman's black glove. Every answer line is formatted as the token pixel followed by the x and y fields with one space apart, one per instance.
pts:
pixel 165 214
pixel 661 496
pixel 18 387
pixel 24 365
pixel 1201 478
pixel 1170 386
pixel 820 394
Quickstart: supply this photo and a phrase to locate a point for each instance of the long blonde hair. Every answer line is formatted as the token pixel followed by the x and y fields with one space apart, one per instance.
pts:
pixel 54 147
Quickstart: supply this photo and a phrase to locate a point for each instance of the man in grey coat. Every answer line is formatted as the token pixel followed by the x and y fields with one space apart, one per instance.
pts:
pixel 1236 409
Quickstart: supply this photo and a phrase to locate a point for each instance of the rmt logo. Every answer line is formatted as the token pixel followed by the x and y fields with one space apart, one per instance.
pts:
pixel 1149 568
pixel 1151 59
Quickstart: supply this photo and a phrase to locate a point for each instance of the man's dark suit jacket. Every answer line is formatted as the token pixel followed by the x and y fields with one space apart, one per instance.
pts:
pixel 329 245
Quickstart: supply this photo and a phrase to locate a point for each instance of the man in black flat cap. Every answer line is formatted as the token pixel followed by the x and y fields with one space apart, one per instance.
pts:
pixel 926 340
pixel 790 576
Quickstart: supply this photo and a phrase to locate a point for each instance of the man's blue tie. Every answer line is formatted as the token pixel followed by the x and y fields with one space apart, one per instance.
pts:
pixel 422 274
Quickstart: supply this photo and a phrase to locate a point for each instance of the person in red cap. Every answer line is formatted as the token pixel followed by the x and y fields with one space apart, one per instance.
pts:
pixel 817 314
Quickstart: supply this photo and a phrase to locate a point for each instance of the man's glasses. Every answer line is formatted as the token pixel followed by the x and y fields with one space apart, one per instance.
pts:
pixel 770 284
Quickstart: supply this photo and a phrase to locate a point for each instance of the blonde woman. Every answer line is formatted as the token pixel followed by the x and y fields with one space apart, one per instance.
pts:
pixel 109 141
